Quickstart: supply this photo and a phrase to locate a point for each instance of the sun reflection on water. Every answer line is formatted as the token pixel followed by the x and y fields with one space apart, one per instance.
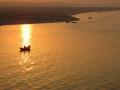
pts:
pixel 25 61
pixel 26 34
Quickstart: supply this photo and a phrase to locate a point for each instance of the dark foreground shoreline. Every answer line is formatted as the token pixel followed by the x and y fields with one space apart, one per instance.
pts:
pixel 32 15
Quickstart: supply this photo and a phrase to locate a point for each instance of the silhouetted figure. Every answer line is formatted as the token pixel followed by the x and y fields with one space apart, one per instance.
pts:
pixel 29 46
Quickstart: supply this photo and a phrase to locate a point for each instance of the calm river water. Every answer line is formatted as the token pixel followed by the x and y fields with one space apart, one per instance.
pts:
pixel 82 56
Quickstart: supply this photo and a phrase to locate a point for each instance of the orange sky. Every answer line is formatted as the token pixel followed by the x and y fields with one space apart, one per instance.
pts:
pixel 65 2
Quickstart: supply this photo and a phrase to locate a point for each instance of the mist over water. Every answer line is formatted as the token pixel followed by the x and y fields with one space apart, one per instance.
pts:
pixel 81 56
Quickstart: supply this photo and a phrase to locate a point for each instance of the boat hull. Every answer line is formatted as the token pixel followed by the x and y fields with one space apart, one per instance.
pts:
pixel 24 49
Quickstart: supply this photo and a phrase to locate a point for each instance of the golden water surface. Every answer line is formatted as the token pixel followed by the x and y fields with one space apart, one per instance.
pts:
pixel 81 56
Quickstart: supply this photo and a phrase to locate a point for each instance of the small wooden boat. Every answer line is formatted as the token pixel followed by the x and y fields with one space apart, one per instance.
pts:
pixel 67 22
pixel 25 48
pixel 89 17
pixel 73 22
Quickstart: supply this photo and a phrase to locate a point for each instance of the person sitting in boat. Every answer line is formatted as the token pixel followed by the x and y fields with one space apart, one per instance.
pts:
pixel 29 46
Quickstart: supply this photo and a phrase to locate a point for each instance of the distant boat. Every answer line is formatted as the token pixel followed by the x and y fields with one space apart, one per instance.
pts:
pixel 67 21
pixel 74 22
pixel 89 17
pixel 25 48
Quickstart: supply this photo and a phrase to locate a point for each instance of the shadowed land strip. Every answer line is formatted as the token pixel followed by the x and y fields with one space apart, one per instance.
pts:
pixel 21 15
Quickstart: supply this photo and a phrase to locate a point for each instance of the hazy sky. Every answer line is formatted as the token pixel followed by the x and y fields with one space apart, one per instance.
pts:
pixel 62 2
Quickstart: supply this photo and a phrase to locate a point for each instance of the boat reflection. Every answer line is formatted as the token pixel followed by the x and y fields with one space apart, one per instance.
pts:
pixel 26 37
